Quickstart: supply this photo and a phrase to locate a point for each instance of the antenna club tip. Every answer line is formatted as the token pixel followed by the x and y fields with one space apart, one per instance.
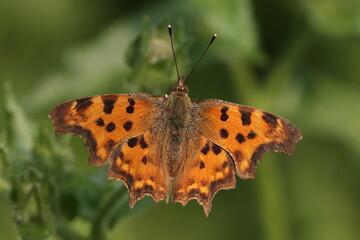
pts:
pixel 169 26
pixel 215 35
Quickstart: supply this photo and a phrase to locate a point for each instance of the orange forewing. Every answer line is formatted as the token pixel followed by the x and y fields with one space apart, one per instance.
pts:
pixel 103 120
pixel 246 133
pixel 110 124
pixel 208 170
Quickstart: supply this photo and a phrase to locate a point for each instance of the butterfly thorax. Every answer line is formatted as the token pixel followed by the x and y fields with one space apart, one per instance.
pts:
pixel 177 106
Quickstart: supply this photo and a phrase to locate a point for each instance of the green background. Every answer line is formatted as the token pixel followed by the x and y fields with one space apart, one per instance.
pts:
pixel 299 59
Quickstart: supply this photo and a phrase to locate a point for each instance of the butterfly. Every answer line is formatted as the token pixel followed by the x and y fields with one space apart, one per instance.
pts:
pixel 157 143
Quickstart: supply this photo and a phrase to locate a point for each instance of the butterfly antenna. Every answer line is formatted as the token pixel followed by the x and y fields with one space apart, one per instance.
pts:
pixel 172 47
pixel 211 41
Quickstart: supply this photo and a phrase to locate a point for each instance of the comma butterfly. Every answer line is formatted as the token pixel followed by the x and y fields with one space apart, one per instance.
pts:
pixel 153 141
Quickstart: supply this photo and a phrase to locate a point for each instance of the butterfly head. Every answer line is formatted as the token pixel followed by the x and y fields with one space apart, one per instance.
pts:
pixel 180 86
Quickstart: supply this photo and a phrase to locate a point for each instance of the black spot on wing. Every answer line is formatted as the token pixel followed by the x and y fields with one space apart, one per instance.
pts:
pixel 130 109
pixel 83 103
pixel 245 117
pixel 216 149
pixel 202 165
pixel 100 122
pixel 224 115
pixel 108 104
pixel 251 135
pixel 240 138
pixel 127 126
pixel 110 127
pixel 131 101
pixel 224 133
pixel 205 149
pixel 132 142
pixel 143 143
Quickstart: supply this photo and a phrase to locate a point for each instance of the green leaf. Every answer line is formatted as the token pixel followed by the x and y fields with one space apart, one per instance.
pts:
pixel 151 58
pixel 19 129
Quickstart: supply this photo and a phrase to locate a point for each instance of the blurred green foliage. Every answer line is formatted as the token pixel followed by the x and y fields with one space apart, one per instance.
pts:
pixel 299 59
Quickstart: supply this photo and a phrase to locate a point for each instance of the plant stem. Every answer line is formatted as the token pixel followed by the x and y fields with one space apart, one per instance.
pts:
pixel 101 221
